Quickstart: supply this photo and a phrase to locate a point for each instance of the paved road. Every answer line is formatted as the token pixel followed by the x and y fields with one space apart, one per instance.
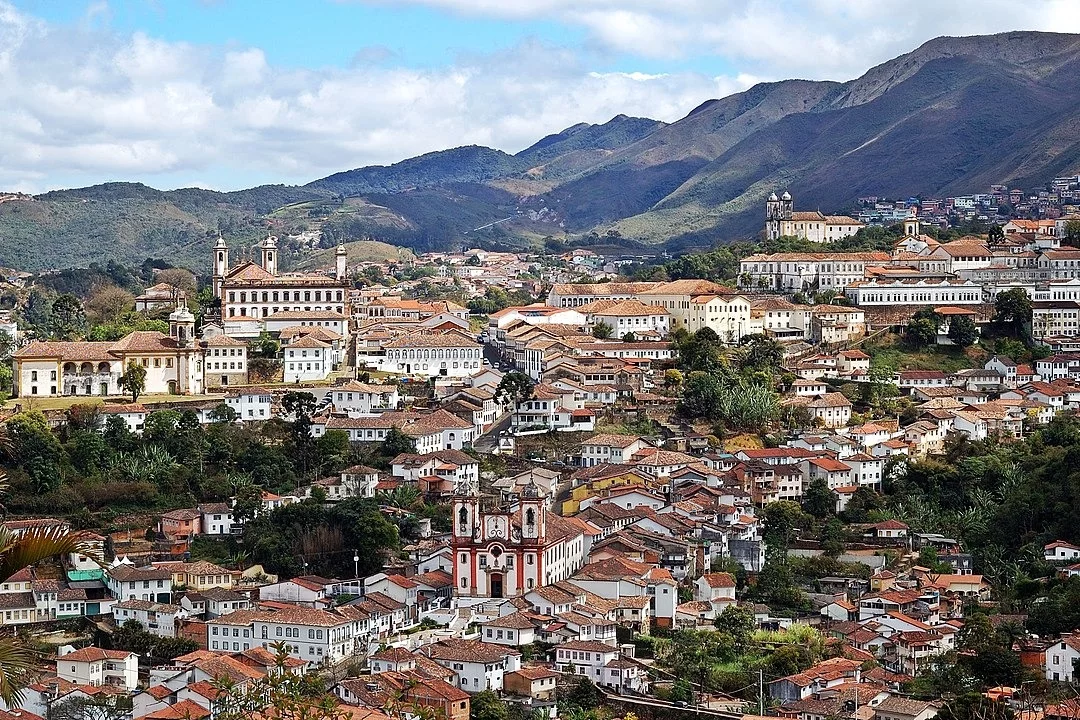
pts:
pixel 687 709
pixel 487 442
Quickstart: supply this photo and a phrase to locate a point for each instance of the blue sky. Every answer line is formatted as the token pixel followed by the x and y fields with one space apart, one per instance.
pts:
pixel 232 93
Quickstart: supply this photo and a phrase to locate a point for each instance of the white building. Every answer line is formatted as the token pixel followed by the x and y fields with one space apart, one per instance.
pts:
pixel 314 636
pixel 159 619
pixel 96 667
pixel 605 448
pixel 781 220
pixel 629 317
pixel 362 398
pixel 307 359
pixel 479 666
pixel 1061 659
pixel 225 361
pixel 602 664
pixel 127 582
pixel 173 363
pixel 452 354
pixel 257 290
pixel 217 519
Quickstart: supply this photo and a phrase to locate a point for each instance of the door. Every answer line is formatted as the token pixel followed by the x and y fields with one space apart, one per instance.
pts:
pixel 104 388
pixel 172 387
pixel 224 379
pixel 496 585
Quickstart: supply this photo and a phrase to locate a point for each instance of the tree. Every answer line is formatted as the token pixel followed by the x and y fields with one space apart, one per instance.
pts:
pixel 18 552
pixel 682 691
pixel 995 233
pixel 1072 232
pixel 395 443
pixel 103 707
pixel 975 706
pixel 224 413
pixel 963 332
pixel 486 705
pixel 783 519
pixel 1012 313
pixel 760 352
pixel 628 337
pixel 514 389
pixel 284 694
pixel 247 502
pixel 133 380
pixel 672 379
pixel 584 694
pixel 819 499
pixel 67 320
pixel 182 280
pixel 300 406
pixel 602 331
pixel 921 331
pixel 108 303
pixel 35 448
pixel 737 621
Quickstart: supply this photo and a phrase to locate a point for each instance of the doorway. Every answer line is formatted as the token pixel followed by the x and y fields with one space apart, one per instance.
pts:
pixel 496 585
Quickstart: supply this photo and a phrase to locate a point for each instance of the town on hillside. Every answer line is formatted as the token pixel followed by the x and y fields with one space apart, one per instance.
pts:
pixel 833 476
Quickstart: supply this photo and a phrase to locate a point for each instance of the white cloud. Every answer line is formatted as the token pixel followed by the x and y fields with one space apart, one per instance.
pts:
pixel 817 39
pixel 83 105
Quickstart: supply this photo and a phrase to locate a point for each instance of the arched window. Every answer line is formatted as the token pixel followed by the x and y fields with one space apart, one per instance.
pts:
pixel 463 519
pixel 530 517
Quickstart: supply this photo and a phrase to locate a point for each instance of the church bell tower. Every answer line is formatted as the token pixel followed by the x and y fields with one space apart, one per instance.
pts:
pixel 268 247
pixel 221 265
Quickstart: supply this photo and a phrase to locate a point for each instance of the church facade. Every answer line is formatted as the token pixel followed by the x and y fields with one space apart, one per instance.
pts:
pixel 258 291
pixel 781 220
pixel 506 552
pixel 174 363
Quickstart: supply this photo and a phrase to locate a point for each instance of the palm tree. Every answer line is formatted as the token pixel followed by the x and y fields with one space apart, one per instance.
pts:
pixel 18 552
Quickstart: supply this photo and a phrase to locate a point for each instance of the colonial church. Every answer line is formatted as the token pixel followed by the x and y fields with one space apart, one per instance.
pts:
pixel 174 363
pixel 782 220
pixel 258 291
pixel 508 551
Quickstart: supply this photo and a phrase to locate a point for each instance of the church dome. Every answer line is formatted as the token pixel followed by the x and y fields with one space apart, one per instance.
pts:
pixel 772 197
pixel 785 196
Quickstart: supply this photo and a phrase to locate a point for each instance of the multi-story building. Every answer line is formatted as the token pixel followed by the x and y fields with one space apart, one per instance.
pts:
pixel 159 619
pixel 479 666
pixel 127 582
pixel 781 220
pixel 451 354
pixel 225 361
pixel 173 363
pixel 508 551
pixel 312 635
pixel 888 293
pixel 255 291
pixel 307 359
pixel 100 668
pixel 793 272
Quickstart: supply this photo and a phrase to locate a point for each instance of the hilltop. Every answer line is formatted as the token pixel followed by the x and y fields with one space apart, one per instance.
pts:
pixel 954 115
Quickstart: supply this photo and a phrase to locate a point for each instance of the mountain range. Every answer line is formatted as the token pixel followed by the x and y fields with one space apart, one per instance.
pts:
pixel 951 117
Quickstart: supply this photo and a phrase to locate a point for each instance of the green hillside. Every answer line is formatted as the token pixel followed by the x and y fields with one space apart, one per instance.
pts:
pixel 951 117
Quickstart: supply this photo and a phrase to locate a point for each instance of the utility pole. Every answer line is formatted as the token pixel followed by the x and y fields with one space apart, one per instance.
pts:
pixel 761 691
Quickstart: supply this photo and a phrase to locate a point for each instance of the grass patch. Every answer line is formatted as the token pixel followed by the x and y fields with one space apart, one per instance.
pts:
pixel 890 352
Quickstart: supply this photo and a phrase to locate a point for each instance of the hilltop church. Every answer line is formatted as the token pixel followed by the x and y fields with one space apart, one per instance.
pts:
pixel 257 291
pixel 781 220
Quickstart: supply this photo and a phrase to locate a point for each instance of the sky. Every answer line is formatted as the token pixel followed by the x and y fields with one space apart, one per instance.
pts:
pixel 227 94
